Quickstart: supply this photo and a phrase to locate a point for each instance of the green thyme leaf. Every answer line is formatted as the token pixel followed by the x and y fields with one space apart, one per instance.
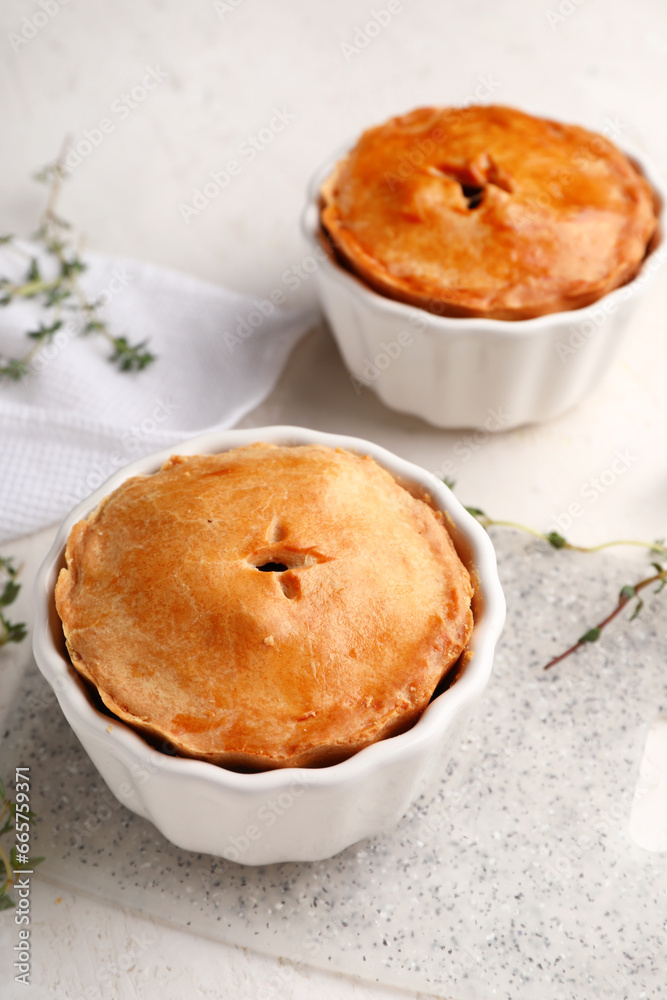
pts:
pixel 638 608
pixel 14 370
pixel 7 564
pixel 93 326
pixel 129 357
pixel 10 593
pixel 14 631
pixel 592 635
pixel 45 332
pixel 476 512
pixel 53 296
pixel 10 631
pixel 70 267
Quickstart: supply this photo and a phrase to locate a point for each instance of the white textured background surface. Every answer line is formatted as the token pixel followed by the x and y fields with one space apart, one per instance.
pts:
pixel 603 64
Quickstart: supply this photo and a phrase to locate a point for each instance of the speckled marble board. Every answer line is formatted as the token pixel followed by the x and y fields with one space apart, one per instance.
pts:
pixel 514 877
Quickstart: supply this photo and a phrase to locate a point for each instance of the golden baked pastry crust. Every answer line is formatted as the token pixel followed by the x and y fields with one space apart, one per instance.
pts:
pixel 488 212
pixel 166 613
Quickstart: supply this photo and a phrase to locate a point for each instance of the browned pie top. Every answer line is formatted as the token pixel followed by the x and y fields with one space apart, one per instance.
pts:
pixel 487 211
pixel 342 641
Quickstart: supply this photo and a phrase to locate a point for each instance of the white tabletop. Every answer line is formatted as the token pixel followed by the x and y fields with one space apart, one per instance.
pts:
pixel 188 88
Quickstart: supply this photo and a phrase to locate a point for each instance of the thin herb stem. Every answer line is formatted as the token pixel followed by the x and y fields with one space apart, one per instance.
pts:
pixel 9 881
pixel 57 173
pixel 34 350
pixel 488 522
pixel 557 541
pixel 626 595
pixel 656 547
pixel 29 289
pixel 63 289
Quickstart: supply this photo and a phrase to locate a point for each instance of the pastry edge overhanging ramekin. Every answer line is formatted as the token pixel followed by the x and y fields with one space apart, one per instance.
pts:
pixel 475 373
pixel 292 814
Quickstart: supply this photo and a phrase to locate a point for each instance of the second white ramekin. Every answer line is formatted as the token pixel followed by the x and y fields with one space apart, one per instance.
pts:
pixel 459 372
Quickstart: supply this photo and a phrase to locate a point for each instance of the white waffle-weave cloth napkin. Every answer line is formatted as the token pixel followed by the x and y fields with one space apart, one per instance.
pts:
pixel 75 419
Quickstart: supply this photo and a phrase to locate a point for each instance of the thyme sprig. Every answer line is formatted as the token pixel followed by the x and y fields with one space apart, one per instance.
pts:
pixel 9 631
pixel 557 541
pixel 628 593
pixel 62 290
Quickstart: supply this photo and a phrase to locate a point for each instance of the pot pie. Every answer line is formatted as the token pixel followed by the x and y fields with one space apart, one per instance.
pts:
pixel 267 606
pixel 488 212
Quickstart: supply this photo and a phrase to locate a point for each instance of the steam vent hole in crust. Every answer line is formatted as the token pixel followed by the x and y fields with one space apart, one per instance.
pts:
pixel 282 561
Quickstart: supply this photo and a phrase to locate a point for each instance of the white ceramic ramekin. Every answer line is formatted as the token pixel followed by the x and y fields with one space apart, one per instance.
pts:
pixel 453 372
pixel 293 814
